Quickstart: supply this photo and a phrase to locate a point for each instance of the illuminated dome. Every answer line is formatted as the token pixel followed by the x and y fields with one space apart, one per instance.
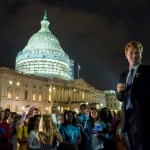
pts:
pixel 44 56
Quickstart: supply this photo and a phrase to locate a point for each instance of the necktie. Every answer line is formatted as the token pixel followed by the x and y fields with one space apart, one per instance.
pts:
pixel 128 90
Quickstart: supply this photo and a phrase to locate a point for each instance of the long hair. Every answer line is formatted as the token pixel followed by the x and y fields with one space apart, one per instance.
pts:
pixel 104 117
pixel 32 123
pixel 91 119
pixel 43 120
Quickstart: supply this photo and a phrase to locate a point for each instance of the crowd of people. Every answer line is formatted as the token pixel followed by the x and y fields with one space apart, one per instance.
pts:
pixel 90 129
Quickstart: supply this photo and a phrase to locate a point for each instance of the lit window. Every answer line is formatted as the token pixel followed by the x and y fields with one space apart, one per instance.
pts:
pixel 9 95
pixel 40 97
pixel 33 97
pixel 82 95
pixel 10 82
pixel 18 83
pixel 49 98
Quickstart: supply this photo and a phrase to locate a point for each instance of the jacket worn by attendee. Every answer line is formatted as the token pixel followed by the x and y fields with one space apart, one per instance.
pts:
pixel 140 98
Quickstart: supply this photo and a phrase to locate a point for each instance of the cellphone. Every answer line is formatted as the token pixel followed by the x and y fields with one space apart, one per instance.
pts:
pixel 54 118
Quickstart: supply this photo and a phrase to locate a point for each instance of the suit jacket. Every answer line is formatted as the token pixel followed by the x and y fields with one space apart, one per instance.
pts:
pixel 140 98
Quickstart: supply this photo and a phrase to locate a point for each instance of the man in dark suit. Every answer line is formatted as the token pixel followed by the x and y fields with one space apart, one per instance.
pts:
pixel 134 93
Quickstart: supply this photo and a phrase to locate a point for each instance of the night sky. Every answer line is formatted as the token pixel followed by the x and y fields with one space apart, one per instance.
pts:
pixel 92 32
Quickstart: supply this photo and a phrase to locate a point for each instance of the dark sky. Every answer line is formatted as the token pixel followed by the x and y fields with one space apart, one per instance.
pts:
pixel 92 32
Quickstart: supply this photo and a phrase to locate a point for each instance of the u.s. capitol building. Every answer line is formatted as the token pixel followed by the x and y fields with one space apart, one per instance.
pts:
pixel 44 76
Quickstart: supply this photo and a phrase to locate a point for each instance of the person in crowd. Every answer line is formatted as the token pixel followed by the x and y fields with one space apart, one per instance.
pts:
pixel 7 118
pixel 26 111
pixel 6 114
pixel 120 138
pixel 4 127
pixel 55 112
pixel 83 138
pixel 15 126
pixel 22 134
pixel 35 111
pixel 114 115
pixel 70 132
pixel 82 116
pixel 59 120
pixel 5 141
pixel 106 116
pixel 48 133
pixel 94 131
pixel 33 129
pixel 11 118
pixel 133 91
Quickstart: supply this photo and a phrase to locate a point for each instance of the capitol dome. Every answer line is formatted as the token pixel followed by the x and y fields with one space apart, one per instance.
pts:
pixel 43 56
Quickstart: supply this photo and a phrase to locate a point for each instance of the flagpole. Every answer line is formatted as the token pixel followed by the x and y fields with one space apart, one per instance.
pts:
pixel 78 70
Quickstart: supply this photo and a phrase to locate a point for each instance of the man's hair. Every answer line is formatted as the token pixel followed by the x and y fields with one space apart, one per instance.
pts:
pixel 83 105
pixel 53 109
pixel 7 109
pixel 134 44
pixel 36 109
pixel 27 106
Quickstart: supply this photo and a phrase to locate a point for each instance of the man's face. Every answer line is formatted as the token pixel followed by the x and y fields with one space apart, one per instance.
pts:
pixel 133 56
pixel 84 109
pixel 6 115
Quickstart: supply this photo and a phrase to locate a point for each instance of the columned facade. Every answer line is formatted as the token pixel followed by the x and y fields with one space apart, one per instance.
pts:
pixel 18 90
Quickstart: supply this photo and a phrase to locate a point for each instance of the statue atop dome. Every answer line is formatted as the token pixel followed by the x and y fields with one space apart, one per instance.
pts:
pixel 45 15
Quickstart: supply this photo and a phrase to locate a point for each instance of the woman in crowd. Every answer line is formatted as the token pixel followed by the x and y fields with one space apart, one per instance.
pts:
pixel 33 128
pixel 5 142
pixel 23 134
pixel 106 117
pixel 122 142
pixel 94 131
pixel 70 132
pixel 16 123
pixel 48 133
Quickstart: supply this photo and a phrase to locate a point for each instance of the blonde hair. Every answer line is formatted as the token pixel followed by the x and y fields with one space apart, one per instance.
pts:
pixel 134 44
pixel 44 119
pixel 42 130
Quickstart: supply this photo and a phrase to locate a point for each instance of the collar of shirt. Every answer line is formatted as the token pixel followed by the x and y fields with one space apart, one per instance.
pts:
pixel 135 69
